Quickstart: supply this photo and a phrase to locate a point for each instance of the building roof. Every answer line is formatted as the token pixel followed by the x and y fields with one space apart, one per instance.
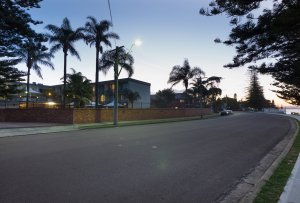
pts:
pixel 125 80
pixel 101 82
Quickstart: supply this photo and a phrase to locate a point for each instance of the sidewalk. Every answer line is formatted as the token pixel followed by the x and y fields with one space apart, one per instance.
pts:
pixel 8 129
pixel 291 192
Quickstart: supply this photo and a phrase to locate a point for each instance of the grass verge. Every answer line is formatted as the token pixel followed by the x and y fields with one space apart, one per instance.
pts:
pixel 145 122
pixel 273 188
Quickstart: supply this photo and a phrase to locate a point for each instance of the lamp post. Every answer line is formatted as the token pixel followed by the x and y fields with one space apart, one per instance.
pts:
pixel 117 73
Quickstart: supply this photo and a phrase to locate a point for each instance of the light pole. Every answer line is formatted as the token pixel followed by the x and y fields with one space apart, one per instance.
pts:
pixel 116 78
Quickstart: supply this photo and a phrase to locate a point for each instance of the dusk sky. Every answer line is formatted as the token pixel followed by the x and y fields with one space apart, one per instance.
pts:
pixel 171 31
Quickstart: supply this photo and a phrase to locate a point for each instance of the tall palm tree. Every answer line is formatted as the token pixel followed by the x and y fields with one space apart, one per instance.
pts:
pixel 64 38
pixel 184 74
pixel 34 54
pixel 115 58
pixel 96 33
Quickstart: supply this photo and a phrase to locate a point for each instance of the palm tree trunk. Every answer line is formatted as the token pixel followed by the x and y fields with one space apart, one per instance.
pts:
pixel 186 96
pixel 27 88
pixel 116 93
pixel 65 80
pixel 97 79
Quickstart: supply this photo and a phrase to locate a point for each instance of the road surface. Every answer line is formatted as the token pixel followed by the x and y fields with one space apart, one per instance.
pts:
pixel 191 161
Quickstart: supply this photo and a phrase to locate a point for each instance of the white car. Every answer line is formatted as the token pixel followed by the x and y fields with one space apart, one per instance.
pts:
pixel 226 112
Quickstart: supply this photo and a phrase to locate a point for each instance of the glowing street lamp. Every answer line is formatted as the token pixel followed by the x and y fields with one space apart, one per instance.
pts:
pixel 138 42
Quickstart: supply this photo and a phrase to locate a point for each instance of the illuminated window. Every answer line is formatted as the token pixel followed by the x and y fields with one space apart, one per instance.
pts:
pixel 102 98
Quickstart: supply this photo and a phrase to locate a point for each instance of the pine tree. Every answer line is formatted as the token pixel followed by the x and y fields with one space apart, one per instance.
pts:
pixel 255 94
pixel 259 36
pixel 15 25
pixel 9 77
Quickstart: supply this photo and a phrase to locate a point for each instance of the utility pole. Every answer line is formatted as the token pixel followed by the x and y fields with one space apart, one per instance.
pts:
pixel 116 84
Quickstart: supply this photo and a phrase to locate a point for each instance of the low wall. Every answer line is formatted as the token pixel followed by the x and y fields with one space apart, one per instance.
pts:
pixel 77 116
pixel 148 114
pixel 37 115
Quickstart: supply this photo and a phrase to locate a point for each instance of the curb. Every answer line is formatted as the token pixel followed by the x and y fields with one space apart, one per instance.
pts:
pixel 19 131
pixel 248 188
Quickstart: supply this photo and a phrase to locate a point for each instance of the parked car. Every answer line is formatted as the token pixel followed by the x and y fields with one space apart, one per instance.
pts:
pixel 226 112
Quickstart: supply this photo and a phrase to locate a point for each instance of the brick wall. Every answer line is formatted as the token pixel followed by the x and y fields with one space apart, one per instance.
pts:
pixel 106 115
pixel 37 115
pixel 78 116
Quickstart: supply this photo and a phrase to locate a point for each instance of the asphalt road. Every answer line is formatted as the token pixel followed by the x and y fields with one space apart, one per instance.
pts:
pixel 191 161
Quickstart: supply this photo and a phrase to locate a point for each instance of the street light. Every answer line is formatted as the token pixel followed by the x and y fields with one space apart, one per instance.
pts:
pixel 137 42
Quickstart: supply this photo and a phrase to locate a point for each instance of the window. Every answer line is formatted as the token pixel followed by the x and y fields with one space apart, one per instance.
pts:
pixel 102 98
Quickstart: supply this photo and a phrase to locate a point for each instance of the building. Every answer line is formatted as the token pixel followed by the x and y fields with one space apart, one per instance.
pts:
pixel 106 91
pixel 44 93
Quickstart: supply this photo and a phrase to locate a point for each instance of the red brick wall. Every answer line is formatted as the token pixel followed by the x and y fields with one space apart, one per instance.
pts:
pixel 38 115
pixel 77 116
pixel 147 114
pixel 2 115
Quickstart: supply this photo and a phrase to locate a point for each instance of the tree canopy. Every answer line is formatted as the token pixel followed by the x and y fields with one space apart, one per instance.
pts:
pixel 131 96
pixel 15 25
pixel 164 98
pixel 268 42
pixel 9 76
pixel 78 89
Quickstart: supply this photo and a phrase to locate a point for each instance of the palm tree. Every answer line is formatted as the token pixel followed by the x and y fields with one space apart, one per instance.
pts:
pixel 34 54
pixel 184 74
pixel 204 88
pixel 115 58
pixel 131 96
pixel 64 38
pixel 78 88
pixel 95 34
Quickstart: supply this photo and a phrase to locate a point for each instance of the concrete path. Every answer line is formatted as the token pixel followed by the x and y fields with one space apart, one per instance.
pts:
pixel 291 193
pixel 8 129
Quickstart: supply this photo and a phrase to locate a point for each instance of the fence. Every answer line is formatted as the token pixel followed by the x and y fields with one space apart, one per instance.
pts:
pixel 76 116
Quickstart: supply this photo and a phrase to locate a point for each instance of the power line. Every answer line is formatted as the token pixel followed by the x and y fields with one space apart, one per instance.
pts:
pixel 111 19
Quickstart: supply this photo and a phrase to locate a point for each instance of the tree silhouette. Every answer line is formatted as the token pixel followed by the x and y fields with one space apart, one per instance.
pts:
pixel 255 94
pixel 34 54
pixel 272 33
pixel 164 98
pixel 115 58
pixel 131 96
pixel 64 38
pixel 78 89
pixel 95 34
pixel 15 25
pixel 184 74
pixel 206 89
pixel 9 77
